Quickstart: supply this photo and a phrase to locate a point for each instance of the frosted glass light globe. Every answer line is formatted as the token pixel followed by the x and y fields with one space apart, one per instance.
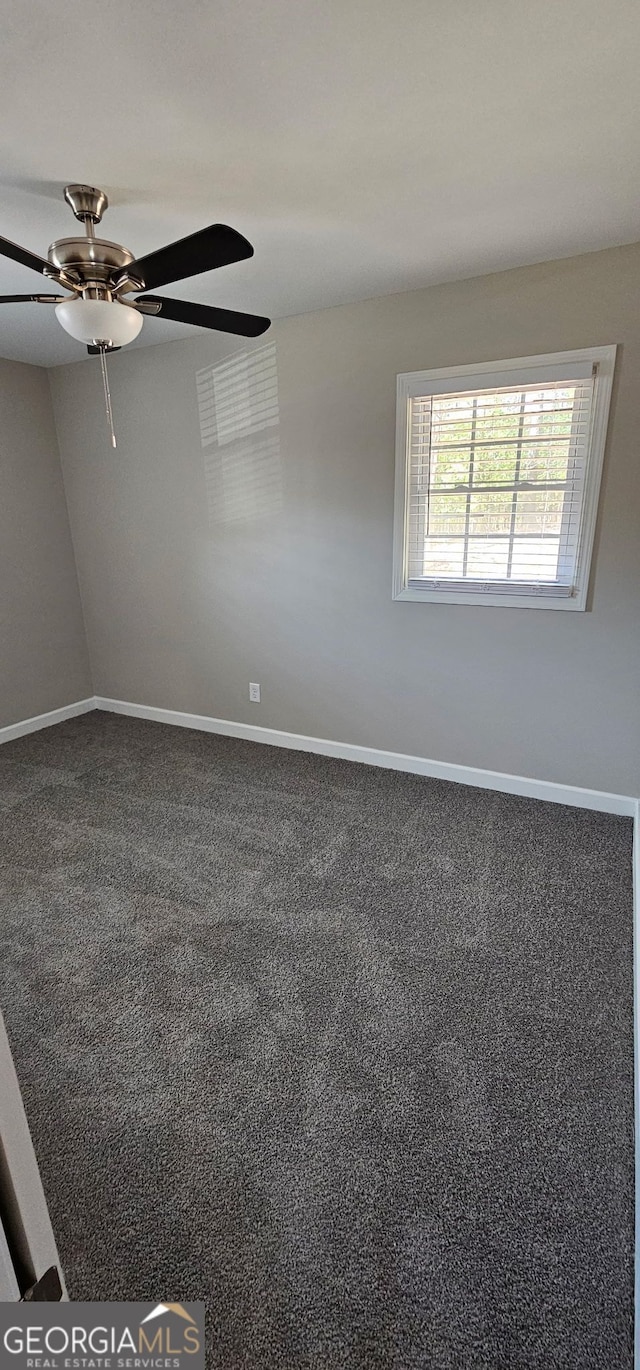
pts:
pixel 100 321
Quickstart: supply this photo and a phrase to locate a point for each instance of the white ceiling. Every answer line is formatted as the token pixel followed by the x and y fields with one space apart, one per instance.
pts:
pixel 363 146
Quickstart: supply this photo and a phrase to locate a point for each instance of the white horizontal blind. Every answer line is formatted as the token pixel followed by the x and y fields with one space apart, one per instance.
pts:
pixel 496 487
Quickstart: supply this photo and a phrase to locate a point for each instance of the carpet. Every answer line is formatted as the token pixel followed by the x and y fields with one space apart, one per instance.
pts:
pixel 344 1052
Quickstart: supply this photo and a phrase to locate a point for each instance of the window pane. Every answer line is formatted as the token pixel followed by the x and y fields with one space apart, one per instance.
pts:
pixel 446 515
pixel 490 512
pixel 495 465
pixel 498 417
pixel 449 467
pixel 487 560
pixel 546 461
pixel 452 419
pixel 535 559
pixel 539 511
pixel 548 413
pixel 444 558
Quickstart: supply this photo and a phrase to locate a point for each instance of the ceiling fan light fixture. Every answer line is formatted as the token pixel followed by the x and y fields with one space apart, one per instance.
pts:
pixel 105 321
pixel 99 271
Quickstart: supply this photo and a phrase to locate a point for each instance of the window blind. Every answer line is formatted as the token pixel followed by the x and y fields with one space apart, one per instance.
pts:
pixel 496 486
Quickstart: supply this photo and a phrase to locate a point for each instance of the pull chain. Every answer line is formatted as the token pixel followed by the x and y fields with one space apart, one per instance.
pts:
pixel 107 395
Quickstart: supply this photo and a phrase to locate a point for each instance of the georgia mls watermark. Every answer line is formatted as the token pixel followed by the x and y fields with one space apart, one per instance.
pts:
pixel 101 1336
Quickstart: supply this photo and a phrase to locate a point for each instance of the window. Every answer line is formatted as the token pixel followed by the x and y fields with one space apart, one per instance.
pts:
pixel 497 479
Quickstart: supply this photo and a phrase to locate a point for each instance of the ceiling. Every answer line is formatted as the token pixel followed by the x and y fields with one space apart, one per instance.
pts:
pixel 364 147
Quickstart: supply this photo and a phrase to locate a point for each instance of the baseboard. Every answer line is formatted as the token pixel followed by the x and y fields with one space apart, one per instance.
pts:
pixel 636 1064
pixel 32 725
pixel 372 756
pixel 527 786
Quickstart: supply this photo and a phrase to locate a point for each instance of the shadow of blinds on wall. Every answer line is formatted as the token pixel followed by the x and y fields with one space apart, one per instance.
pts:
pixel 239 410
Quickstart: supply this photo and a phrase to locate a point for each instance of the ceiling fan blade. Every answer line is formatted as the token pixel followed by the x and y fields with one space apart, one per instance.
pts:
pixel 95 351
pixel 22 255
pixel 215 246
pixel 208 316
pixel 37 299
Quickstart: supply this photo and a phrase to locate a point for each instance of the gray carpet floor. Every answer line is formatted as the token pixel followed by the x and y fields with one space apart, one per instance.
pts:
pixel 344 1052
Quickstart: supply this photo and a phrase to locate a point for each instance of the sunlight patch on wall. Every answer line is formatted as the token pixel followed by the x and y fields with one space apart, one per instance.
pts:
pixel 237 405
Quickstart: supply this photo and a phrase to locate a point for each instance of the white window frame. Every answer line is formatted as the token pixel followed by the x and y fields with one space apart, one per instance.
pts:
pixel 453 380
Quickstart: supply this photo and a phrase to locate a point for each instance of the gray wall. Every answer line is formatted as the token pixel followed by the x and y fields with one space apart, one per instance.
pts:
pixel 269 559
pixel 43 654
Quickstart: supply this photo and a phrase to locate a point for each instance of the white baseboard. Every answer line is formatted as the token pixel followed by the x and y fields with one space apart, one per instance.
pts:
pixel 527 786
pixel 636 1065
pixel 31 725
pixel 372 756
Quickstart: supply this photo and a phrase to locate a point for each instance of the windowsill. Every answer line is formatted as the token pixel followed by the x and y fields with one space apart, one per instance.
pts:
pixel 492 600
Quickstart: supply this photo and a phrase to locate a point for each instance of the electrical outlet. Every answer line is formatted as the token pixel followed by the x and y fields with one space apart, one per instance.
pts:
pixel 254 692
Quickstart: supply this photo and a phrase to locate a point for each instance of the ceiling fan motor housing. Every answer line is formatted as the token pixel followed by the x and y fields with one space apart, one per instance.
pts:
pixel 94 261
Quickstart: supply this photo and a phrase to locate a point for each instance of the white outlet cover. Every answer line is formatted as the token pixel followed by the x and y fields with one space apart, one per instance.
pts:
pixel 254 692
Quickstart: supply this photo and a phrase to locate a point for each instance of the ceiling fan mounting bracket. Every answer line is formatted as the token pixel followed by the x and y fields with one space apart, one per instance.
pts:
pixel 87 202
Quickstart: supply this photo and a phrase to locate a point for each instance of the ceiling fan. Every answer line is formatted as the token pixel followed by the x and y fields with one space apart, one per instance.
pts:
pixel 107 301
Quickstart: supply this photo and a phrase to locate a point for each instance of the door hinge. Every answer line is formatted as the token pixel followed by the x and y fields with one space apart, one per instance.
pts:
pixel 47 1289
